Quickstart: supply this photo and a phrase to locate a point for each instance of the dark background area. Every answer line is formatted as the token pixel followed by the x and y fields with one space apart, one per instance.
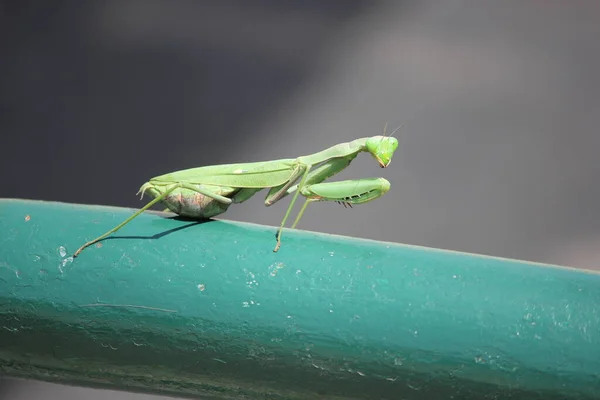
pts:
pixel 499 105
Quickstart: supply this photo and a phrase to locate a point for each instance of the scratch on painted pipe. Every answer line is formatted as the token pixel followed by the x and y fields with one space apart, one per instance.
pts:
pixel 127 306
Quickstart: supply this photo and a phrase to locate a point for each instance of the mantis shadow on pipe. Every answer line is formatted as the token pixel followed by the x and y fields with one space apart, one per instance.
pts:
pixel 192 221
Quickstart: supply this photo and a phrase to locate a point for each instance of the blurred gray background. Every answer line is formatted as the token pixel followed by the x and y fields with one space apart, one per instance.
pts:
pixel 499 103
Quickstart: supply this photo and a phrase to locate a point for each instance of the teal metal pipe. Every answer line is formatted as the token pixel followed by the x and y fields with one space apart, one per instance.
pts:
pixel 207 310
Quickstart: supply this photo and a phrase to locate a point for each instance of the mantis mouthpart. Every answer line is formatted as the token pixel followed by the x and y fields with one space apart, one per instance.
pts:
pixel 205 192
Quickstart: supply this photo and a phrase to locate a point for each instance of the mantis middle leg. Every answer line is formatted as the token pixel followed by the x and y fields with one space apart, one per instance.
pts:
pixel 319 174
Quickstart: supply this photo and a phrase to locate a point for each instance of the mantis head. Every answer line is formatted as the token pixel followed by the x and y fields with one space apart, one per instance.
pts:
pixel 382 148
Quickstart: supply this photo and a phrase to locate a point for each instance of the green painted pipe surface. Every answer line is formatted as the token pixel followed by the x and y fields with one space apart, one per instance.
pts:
pixel 207 310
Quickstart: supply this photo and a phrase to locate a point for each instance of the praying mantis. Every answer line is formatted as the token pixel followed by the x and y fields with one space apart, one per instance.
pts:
pixel 205 192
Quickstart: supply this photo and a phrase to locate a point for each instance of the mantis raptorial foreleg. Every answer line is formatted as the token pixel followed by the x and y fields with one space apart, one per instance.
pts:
pixel 345 192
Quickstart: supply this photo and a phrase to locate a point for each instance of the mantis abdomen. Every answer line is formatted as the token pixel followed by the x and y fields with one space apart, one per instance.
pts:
pixel 191 204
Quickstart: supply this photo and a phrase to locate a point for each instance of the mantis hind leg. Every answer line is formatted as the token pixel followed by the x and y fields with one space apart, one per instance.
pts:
pixel 122 224
pixel 157 199
pixel 198 189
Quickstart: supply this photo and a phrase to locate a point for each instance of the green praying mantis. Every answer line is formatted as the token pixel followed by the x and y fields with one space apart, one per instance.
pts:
pixel 205 192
